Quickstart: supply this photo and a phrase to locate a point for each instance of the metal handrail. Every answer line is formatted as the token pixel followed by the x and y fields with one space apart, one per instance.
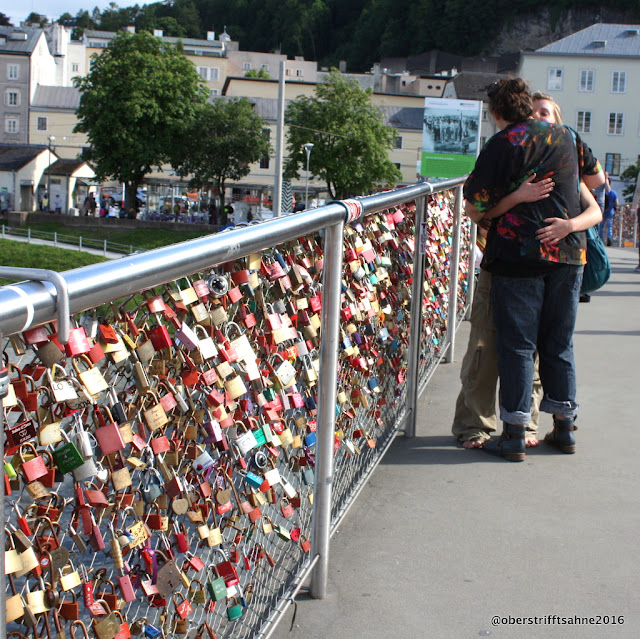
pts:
pixel 97 284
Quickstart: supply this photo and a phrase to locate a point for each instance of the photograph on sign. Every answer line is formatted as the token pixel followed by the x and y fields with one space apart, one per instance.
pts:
pixel 450 137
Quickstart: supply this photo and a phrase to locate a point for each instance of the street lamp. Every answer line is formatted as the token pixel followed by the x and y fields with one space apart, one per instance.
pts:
pixel 307 147
pixel 52 139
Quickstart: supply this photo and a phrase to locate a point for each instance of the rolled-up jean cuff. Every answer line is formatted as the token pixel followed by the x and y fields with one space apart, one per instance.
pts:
pixel 568 409
pixel 517 418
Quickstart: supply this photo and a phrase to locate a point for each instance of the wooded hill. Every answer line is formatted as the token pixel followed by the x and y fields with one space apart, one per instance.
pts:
pixel 365 31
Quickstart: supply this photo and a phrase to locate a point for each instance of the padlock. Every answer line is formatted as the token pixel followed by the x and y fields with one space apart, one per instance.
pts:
pixel 91 378
pixel 184 608
pixel 67 457
pixel 234 610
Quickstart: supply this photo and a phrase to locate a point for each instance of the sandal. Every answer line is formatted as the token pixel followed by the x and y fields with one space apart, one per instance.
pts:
pixel 562 436
pixel 509 445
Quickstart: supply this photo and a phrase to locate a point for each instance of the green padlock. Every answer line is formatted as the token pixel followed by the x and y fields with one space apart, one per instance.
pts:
pixel 216 588
pixel 67 457
pixel 10 470
pixel 235 611
pixel 269 394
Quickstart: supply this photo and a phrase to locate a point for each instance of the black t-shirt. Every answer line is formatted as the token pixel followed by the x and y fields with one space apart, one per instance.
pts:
pixel 509 158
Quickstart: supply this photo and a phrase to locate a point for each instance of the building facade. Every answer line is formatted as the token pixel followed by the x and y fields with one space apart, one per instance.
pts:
pixel 594 75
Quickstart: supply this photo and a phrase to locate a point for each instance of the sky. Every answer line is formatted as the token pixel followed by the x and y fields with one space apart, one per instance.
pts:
pixel 53 9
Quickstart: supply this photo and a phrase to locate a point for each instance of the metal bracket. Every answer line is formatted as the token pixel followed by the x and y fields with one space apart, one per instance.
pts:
pixel 62 294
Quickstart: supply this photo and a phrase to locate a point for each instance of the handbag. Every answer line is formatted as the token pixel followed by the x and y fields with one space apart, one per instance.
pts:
pixel 597 270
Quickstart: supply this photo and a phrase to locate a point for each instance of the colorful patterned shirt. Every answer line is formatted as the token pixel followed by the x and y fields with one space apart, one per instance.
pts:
pixel 507 159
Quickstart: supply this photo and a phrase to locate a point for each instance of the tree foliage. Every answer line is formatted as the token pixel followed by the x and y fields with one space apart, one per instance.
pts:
pixel 136 99
pixel 261 74
pixel 358 31
pixel 5 20
pixel 630 174
pixel 219 144
pixel 349 137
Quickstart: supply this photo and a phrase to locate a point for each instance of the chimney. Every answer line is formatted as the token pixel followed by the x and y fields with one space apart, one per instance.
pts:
pixel 211 36
pixel 342 66
pixel 158 33
pixel 131 29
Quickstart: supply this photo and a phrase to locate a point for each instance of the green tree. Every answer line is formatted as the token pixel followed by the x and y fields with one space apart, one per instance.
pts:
pixel 260 73
pixel 36 20
pixel 5 21
pixel 630 174
pixel 220 143
pixel 139 94
pixel 349 136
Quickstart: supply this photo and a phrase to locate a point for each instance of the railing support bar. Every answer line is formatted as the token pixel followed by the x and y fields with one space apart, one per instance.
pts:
pixel 415 326
pixel 452 314
pixel 332 289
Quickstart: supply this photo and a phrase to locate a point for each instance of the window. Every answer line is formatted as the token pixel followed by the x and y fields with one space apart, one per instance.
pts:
pixel 616 123
pixel 398 142
pixel 612 163
pixel 618 82
pixel 246 66
pixel 583 122
pixel 12 72
pixel 42 123
pixel 11 125
pixel 213 92
pixel 485 115
pixel 209 74
pixel 398 166
pixel 12 98
pixel 299 73
pixel 586 80
pixel 75 67
pixel 266 67
pixel 264 162
pixel 554 79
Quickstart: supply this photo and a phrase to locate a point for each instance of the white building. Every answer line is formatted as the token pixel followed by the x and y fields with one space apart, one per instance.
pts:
pixel 594 75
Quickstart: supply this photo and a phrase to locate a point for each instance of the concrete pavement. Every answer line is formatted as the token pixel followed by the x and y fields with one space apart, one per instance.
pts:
pixel 443 539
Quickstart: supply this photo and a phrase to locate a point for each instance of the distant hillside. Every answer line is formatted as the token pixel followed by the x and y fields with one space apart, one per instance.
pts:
pixel 365 31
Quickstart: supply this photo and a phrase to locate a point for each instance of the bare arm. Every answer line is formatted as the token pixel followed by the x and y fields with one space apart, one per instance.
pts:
pixel 559 228
pixel 594 181
pixel 528 191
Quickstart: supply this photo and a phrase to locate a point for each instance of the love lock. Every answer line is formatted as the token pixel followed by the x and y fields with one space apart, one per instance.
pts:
pixel 218 284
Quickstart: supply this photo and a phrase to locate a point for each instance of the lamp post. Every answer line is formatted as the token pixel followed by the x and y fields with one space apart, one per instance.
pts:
pixel 307 147
pixel 52 139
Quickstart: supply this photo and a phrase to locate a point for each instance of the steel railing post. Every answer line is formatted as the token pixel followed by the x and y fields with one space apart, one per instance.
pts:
pixel 471 272
pixel 415 326
pixel 332 289
pixel 452 315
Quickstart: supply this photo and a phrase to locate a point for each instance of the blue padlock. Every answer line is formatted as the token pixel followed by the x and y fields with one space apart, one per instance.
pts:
pixel 310 440
pixel 253 479
pixel 151 631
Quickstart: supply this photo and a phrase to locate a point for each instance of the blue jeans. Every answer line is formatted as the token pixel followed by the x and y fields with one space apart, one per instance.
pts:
pixel 532 313
pixel 605 228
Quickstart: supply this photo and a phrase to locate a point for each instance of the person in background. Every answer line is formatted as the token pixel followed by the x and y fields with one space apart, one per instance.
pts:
pixel 58 204
pixel 610 209
pixel 475 414
pixel 45 203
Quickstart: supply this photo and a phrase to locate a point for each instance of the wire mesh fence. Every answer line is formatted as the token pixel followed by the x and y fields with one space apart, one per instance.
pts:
pixel 192 408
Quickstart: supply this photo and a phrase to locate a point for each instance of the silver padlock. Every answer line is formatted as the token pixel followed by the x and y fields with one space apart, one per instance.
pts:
pixel 218 284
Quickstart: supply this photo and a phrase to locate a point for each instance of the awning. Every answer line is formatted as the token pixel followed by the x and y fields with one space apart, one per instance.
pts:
pixel 89 181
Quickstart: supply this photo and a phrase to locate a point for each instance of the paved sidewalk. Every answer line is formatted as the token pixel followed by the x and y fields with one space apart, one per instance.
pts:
pixel 443 539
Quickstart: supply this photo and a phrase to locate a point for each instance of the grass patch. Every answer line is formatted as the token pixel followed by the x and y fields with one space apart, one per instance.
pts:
pixel 23 255
pixel 138 238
